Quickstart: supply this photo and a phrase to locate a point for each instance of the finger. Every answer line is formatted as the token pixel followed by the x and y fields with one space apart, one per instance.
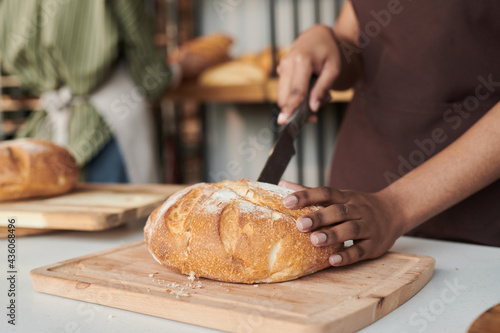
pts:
pixel 316 196
pixel 339 234
pixel 351 255
pixel 327 216
pixel 301 74
pixel 322 87
pixel 291 185
pixel 285 80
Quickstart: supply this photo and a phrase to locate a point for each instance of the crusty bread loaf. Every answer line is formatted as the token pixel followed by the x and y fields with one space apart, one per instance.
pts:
pixel 235 231
pixel 32 168
pixel 233 73
pixel 212 49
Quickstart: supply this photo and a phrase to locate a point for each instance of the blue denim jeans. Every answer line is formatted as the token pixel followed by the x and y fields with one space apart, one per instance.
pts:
pixel 107 166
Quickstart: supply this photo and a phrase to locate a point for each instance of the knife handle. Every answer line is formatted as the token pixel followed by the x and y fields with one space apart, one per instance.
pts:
pixel 299 116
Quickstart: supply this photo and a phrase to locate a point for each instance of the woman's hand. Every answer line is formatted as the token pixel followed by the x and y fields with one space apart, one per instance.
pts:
pixel 314 52
pixel 371 220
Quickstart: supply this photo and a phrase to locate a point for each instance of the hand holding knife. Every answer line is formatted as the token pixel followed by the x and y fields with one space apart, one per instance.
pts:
pixel 283 150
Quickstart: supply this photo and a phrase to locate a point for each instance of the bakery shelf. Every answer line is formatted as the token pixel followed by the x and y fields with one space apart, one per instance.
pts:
pixel 250 93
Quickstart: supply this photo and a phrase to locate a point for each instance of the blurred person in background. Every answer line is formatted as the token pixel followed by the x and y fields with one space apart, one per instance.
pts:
pixel 94 65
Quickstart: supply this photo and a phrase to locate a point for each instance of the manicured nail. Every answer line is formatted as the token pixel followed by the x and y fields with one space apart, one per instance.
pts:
pixel 318 238
pixel 290 201
pixel 315 105
pixel 304 223
pixel 281 118
pixel 335 259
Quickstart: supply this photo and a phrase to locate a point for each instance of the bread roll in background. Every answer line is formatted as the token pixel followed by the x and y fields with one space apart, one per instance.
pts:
pixel 250 68
pixel 233 73
pixel 33 168
pixel 213 49
pixel 234 231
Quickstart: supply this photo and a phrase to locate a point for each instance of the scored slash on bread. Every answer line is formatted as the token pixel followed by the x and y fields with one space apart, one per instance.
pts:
pixel 234 231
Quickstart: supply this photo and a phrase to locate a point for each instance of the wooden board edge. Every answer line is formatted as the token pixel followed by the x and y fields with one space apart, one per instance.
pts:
pixel 127 188
pixel 378 305
pixel 90 221
pixel 24 232
pixel 487 322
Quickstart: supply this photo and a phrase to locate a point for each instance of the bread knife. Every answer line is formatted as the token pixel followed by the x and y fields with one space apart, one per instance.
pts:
pixel 283 150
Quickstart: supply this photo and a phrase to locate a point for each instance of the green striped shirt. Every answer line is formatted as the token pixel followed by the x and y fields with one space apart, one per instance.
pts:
pixel 77 43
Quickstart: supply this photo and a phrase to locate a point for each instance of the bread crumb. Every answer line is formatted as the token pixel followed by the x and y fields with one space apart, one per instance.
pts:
pixel 111 316
pixel 181 293
pixel 174 285
pixel 255 285
pixel 151 275
pixel 191 276
pixel 456 268
pixel 149 290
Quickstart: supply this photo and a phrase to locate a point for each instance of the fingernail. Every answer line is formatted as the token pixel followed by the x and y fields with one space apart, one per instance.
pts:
pixel 281 118
pixel 290 201
pixel 335 259
pixel 318 238
pixel 315 105
pixel 304 223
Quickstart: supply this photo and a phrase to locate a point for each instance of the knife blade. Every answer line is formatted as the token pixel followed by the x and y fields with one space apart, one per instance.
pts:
pixel 283 150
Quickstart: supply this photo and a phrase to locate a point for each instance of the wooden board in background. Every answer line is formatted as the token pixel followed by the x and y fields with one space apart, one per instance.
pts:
pixel 89 207
pixel 488 322
pixel 23 232
pixel 248 93
pixel 333 300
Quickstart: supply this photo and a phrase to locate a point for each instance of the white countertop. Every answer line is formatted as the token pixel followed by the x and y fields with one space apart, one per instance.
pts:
pixel 466 282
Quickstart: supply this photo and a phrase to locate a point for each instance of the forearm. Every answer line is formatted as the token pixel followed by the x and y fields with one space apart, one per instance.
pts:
pixel 466 166
pixel 346 34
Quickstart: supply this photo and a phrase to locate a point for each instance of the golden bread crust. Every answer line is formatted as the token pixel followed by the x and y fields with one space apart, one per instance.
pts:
pixel 235 231
pixel 32 168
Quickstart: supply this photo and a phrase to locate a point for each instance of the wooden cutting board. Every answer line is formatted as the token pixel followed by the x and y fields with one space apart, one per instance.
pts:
pixel 89 207
pixel 333 300
pixel 23 232
pixel 487 322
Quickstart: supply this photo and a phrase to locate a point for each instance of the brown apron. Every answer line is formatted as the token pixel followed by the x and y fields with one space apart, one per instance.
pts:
pixel 431 70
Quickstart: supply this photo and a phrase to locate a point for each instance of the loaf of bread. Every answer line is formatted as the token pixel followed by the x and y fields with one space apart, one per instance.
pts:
pixel 233 73
pixel 33 168
pixel 212 49
pixel 234 231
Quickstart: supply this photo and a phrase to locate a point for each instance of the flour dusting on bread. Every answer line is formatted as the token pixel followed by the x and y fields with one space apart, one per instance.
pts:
pixel 235 231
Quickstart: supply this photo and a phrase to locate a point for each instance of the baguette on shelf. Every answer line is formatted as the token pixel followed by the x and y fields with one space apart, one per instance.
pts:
pixel 211 49
pixel 248 69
